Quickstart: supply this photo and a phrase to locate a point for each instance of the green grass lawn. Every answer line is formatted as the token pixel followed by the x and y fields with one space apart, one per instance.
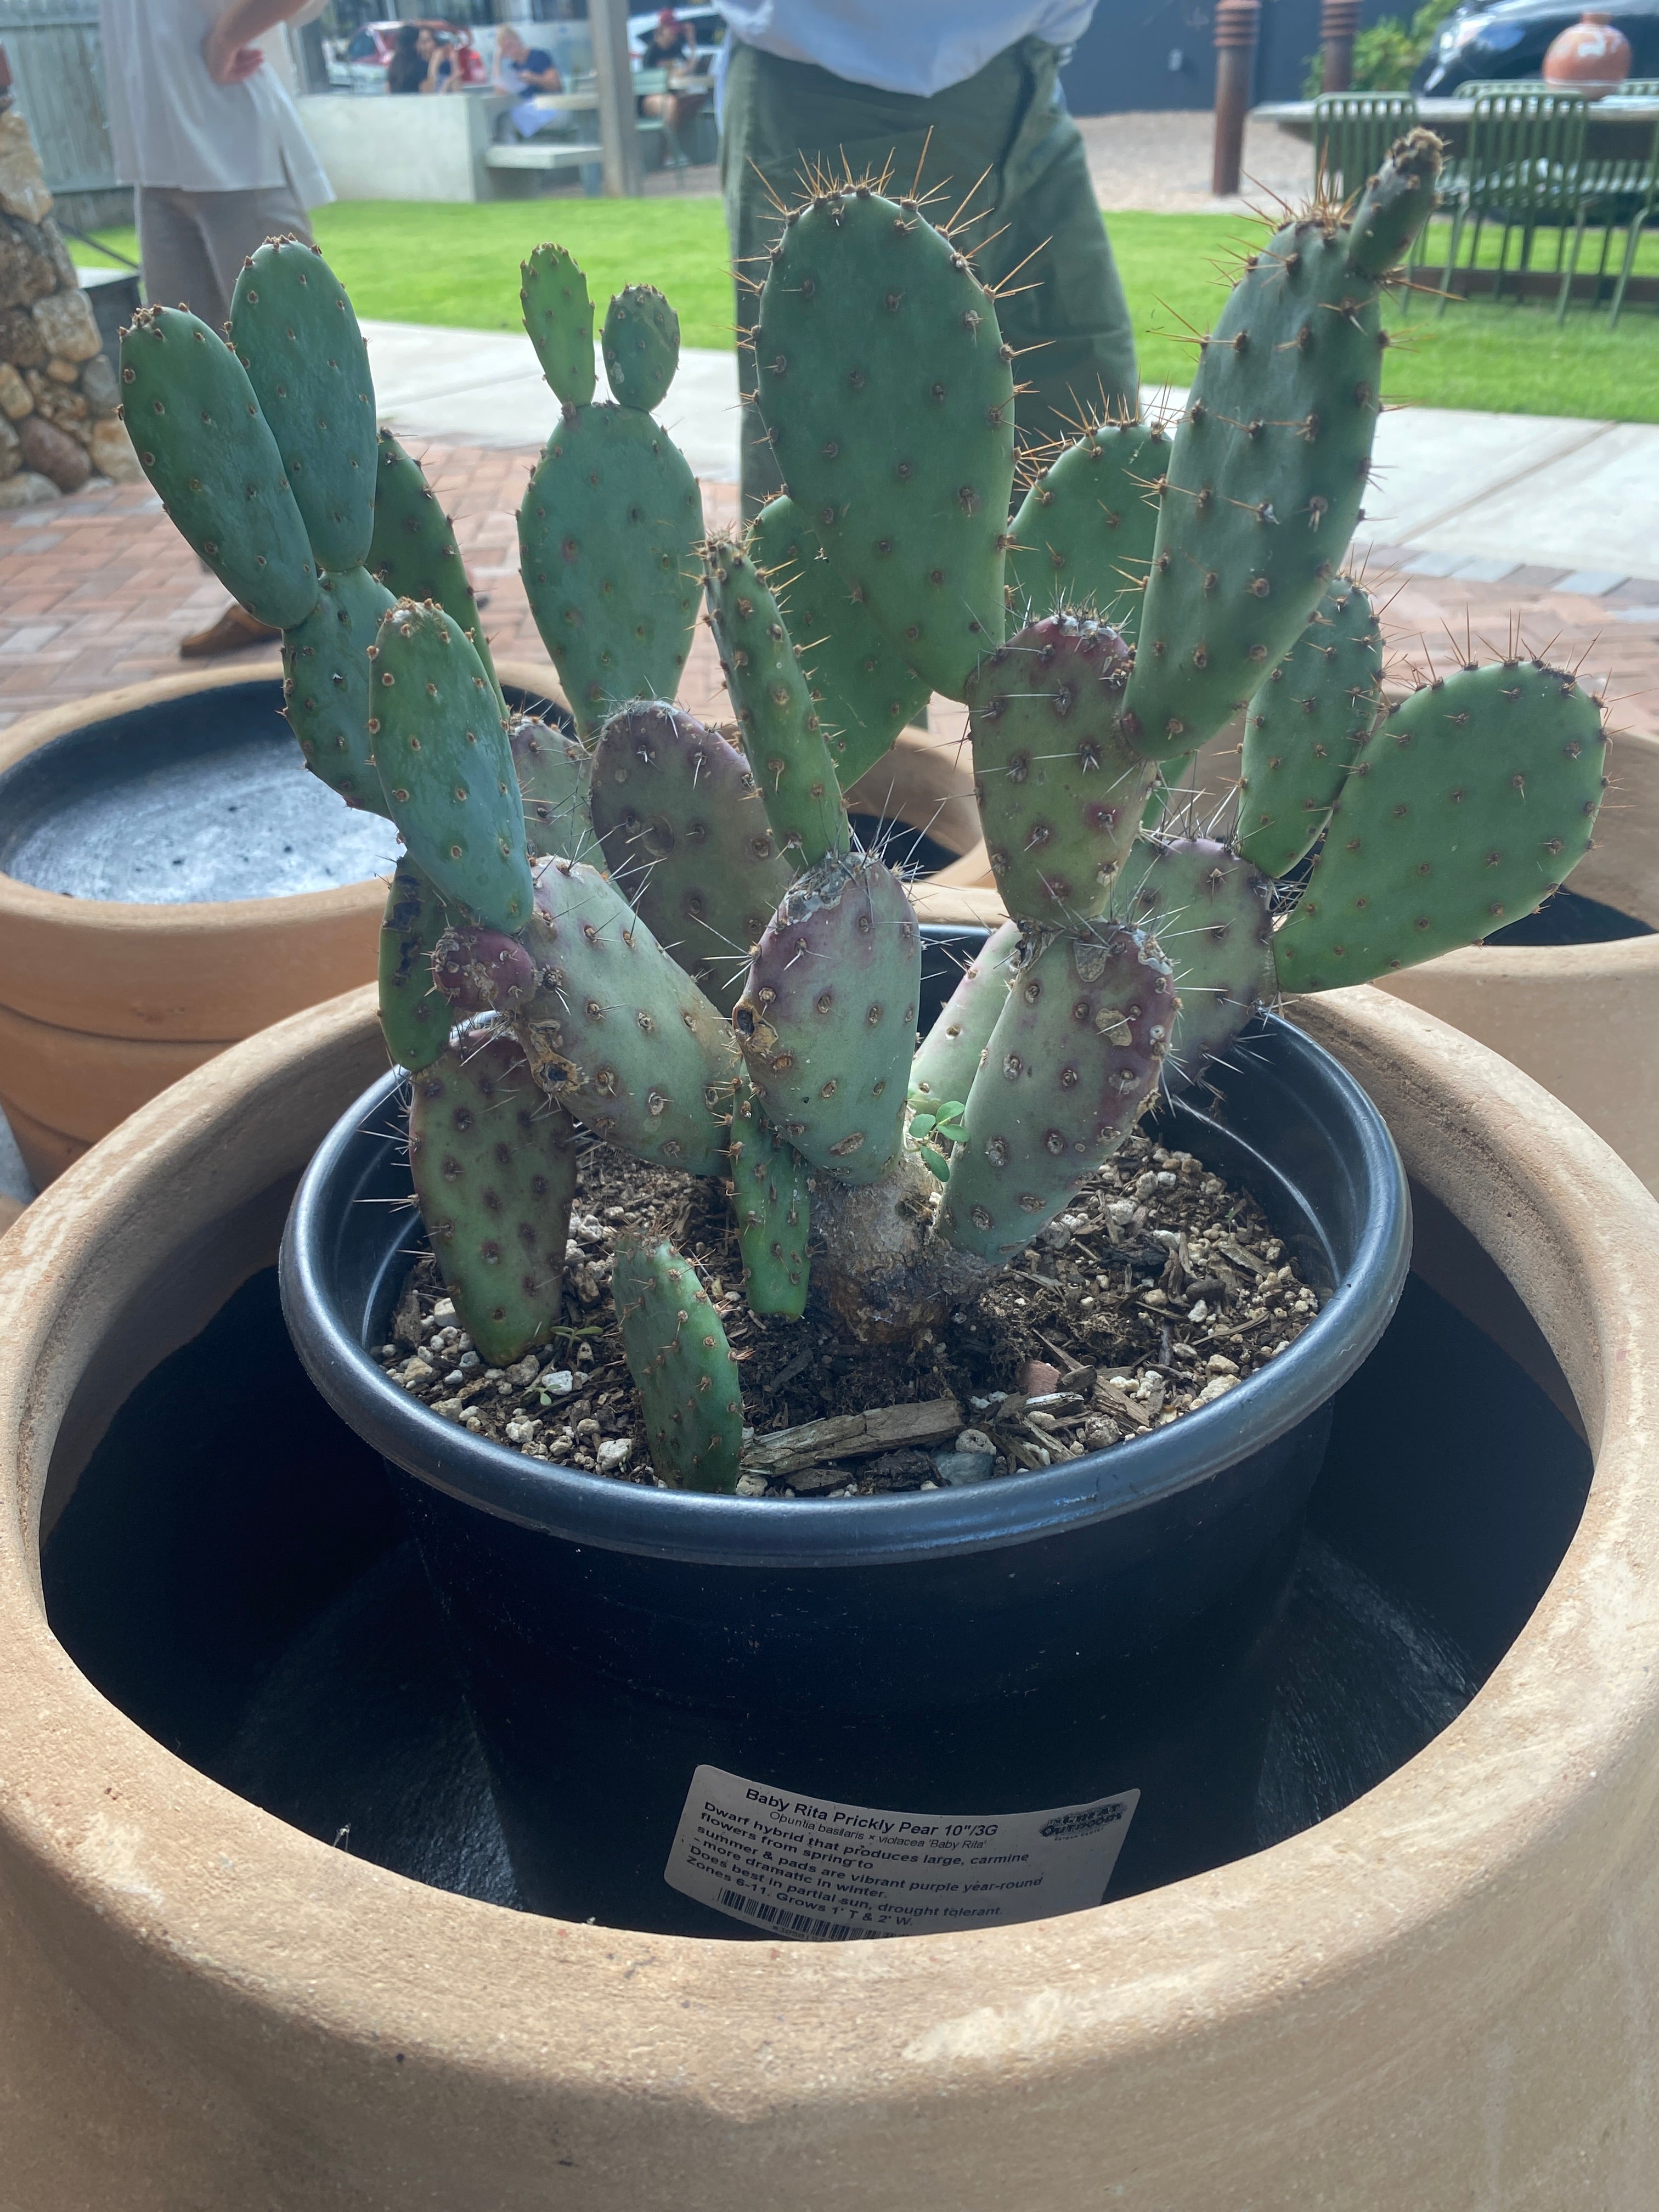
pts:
pixel 458 265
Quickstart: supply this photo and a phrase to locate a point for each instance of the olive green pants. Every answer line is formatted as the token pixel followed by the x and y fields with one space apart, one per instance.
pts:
pixel 783 116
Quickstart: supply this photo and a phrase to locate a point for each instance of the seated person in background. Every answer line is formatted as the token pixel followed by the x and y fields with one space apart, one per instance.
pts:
pixel 528 71
pixel 406 70
pixel 438 53
pixel 669 45
pixel 667 40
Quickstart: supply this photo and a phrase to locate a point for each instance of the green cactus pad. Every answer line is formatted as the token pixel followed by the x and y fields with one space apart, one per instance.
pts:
pixel 827 1020
pixel 440 746
pixel 415 1017
pixel 864 690
pixel 620 1032
pixel 771 1205
pixel 1304 727
pixel 686 838
pixel 1211 915
pixel 559 317
pixel 1059 794
pixel 325 686
pixel 414 552
pixel 607 533
pixel 889 395
pixel 1466 809
pixel 947 1060
pixel 1264 485
pixel 295 332
pixel 641 342
pixel 782 736
pixel 683 1367
pixel 195 427
pixel 1074 1059
pixel 1398 200
pixel 1084 529
pixel 493 1164
pixel 553 771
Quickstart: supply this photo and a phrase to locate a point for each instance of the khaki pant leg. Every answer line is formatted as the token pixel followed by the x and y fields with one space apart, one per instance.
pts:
pixel 179 270
pixel 1000 127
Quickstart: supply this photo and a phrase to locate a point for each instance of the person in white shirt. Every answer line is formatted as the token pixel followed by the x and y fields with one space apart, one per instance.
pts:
pixel 218 160
pixel 817 82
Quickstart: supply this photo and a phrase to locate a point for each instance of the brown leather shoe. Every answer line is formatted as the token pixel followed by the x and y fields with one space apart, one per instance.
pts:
pixel 234 628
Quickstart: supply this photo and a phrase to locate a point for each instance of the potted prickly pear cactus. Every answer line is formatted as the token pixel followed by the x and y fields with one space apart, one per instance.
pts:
pixel 680 993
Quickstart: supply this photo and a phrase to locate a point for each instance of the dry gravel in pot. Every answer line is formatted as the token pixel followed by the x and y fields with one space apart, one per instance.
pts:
pixel 1159 1288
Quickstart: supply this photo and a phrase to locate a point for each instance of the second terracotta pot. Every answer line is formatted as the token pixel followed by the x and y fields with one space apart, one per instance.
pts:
pixel 105 1002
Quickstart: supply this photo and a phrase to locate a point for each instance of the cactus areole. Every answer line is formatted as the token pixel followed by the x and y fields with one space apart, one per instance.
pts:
pixel 702 967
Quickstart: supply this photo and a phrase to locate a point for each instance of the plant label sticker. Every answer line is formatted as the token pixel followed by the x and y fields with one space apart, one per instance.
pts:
pixel 821 1872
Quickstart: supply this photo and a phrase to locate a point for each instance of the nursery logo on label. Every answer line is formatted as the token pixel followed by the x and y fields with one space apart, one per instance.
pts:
pixel 824 1872
pixel 1086 1822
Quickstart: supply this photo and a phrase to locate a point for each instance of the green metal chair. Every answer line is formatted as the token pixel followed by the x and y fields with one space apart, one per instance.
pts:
pixel 1522 171
pixel 1352 132
pixel 1615 194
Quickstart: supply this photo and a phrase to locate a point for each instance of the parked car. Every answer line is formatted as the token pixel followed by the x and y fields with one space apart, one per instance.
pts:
pixel 1509 38
pixel 705 25
pixel 362 64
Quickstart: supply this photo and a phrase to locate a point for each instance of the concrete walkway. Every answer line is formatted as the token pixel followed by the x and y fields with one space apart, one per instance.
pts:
pixel 1477 497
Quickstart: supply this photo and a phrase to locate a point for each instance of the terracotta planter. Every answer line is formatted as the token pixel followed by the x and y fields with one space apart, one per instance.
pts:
pixel 1440 1997
pixel 104 1002
pixel 1584 1020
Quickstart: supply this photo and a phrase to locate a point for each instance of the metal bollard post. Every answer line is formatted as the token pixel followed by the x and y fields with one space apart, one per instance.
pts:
pixel 1236 25
pixel 1338 20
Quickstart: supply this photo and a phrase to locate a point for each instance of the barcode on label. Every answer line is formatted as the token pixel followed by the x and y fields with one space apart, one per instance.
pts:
pixel 787 1924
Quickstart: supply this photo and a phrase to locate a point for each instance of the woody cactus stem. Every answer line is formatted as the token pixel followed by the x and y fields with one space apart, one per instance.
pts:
pixel 705 972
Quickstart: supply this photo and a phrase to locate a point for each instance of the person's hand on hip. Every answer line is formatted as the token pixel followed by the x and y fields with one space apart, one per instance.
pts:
pixel 227 62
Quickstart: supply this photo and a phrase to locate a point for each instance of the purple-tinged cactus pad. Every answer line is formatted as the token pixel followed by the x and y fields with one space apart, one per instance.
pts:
pixel 1072 1063
pixel 1059 794
pixel 1211 913
pixel 828 1022
pixel 687 841
pixel 495 1168
pixel 618 1031
pixel 483 971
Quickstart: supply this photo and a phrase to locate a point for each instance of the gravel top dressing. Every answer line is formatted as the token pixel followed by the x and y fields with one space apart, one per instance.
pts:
pixel 1158 1289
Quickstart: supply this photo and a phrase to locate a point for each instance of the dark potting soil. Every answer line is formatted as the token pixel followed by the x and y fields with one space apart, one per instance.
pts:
pixel 1159 1288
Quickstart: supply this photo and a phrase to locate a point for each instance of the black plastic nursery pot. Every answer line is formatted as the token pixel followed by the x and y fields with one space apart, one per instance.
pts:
pixel 728 1716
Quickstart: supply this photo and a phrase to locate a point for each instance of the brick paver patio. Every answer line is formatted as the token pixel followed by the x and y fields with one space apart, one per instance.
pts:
pixel 96 590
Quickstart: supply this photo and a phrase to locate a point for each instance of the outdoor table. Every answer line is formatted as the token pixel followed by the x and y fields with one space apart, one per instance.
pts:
pixel 1614 130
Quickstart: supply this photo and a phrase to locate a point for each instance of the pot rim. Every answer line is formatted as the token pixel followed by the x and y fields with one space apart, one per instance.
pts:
pixel 716 1530
pixel 21 902
pixel 301 1938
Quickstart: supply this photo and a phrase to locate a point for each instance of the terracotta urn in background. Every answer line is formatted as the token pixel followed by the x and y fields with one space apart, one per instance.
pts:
pixel 1591 56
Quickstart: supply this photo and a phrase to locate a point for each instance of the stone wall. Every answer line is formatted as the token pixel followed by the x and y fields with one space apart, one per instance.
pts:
pixel 58 392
